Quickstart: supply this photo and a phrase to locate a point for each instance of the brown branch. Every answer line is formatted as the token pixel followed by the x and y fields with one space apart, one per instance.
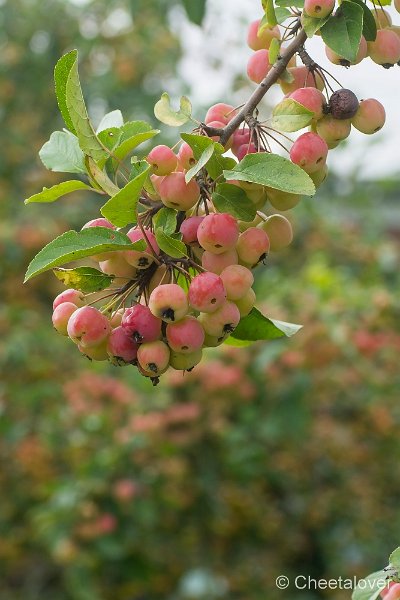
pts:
pixel 272 77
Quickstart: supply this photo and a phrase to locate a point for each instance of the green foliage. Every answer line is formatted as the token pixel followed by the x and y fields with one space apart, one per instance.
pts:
pixel 311 24
pixel 369 24
pixel 170 243
pixel 62 153
pixel 233 200
pixel 166 219
pixel 85 279
pixel 121 209
pixel 199 144
pixel 394 559
pixel 256 327
pixel 274 50
pixel 202 162
pixel 290 115
pixel 370 587
pixel 58 191
pixel 167 115
pixel 273 171
pixel 195 10
pixel 342 32
pixel 74 245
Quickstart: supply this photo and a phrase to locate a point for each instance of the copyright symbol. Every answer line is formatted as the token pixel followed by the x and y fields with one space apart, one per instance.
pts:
pixel 282 582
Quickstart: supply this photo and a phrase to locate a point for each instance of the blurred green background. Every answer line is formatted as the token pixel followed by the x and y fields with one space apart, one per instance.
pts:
pixel 282 459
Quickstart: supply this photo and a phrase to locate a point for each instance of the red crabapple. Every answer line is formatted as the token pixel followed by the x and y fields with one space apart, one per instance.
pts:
pixel 302 78
pixel 140 324
pixel 237 280
pixel 218 262
pixel 370 116
pixel 100 222
pixel 98 353
pixel 312 99
pixel 246 303
pixel 258 66
pixel 186 156
pixel 61 316
pixel 245 149
pixel 185 336
pixel 221 322
pixel 394 592
pixel 153 357
pixel 319 9
pixel 206 292
pixel 162 159
pixel 385 50
pixel 218 232
pixel 88 327
pixel 70 295
pixel 185 362
pixel 252 246
pixel 240 137
pixel 309 152
pixel 336 59
pixel 333 131
pixel 141 259
pixel 169 302
pixel 220 112
pixel 279 231
pixel 189 229
pixel 121 347
pixel 258 40
pixel 282 200
pixel 176 193
pixel 117 266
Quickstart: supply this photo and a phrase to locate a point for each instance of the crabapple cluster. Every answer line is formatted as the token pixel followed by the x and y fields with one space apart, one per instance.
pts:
pixel 160 311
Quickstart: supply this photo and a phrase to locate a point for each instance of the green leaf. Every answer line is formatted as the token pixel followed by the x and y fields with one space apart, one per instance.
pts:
pixel 170 245
pixel 195 10
pixel 85 279
pixel 62 153
pixel 121 209
pixel 133 134
pixel 342 32
pixel 166 219
pixel 290 3
pixel 256 327
pixel 233 200
pixel 273 171
pixel 110 138
pixel 394 559
pixel 74 245
pixel 311 24
pixel 274 50
pixel 203 160
pixel 165 114
pixel 100 177
pixel 72 105
pixel 370 587
pixel 282 14
pixel 199 143
pixel 382 2
pixel 56 191
pixel 111 119
pixel 269 9
pixel 290 115
pixel 369 24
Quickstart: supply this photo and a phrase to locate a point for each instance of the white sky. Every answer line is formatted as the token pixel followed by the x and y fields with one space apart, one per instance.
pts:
pixel 216 54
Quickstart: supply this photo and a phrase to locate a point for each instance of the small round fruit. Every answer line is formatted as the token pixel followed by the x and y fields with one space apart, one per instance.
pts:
pixel 312 99
pixel 185 362
pixel 218 262
pixel 319 9
pixel 343 104
pixel 218 232
pixel 257 40
pixel 279 231
pixel 309 152
pixel 121 347
pixel 370 116
pixel 252 246
pixel 117 266
pixel 282 200
pixel 237 281
pixel 319 176
pixel 332 130
pixel 70 295
pixel 206 292
pixel 222 322
pixel 169 302
pixel 88 327
pixel 258 66
pixel 141 259
pixel 246 303
pixel 162 159
pixel 185 336
pixel 176 193
pixel 336 59
pixel 385 50
pixel 61 316
pixel 189 229
pixel 220 112
pixel 140 324
pixel 302 77
pixel 153 357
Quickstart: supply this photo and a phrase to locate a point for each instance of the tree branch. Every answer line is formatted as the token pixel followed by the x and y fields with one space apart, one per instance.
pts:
pixel 273 76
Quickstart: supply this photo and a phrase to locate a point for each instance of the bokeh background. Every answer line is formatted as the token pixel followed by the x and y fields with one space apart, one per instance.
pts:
pixel 282 459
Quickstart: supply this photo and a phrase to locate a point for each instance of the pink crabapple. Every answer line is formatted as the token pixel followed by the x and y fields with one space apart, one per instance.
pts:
pixel 185 336
pixel 162 159
pixel 237 281
pixel 319 9
pixel 176 193
pixel 206 292
pixel 140 324
pixel 61 316
pixel 309 152
pixel 370 116
pixel 221 322
pixel 70 295
pixel 218 232
pixel 153 357
pixel 218 262
pixel 121 348
pixel 88 327
pixel 142 259
pixel 252 246
pixel 169 302
pixel 258 39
